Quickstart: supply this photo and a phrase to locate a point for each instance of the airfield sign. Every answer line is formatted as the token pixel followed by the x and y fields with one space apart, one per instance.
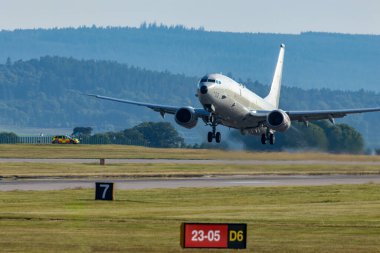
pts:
pixel 104 191
pixel 214 235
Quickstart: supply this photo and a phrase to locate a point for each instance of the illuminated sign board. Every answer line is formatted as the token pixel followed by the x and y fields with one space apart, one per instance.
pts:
pixel 214 235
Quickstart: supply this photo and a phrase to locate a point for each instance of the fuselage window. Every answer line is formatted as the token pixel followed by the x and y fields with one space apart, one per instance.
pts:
pixel 211 80
pixel 218 82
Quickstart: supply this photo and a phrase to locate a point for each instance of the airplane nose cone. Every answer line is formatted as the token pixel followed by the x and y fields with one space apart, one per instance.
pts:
pixel 203 89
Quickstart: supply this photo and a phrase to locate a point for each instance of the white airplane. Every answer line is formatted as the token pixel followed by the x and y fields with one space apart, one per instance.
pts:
pixel 228 103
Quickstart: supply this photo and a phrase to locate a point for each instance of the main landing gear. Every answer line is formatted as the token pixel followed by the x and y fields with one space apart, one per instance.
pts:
pixel 269 135
pixel 214 134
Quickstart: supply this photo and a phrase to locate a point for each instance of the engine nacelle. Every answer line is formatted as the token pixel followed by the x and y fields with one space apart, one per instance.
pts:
pixel 186 117
pixel 278 120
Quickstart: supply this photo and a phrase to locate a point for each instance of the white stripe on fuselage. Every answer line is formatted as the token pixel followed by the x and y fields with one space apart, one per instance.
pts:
pixel 231 101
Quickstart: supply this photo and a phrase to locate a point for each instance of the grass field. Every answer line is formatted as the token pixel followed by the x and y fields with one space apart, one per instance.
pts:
pixel 280 219
pixel 121 151
pixel 36 170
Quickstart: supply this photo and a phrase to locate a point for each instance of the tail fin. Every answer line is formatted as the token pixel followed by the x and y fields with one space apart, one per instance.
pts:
pixel 274 94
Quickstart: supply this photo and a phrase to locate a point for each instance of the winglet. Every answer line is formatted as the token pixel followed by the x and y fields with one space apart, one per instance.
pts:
pixel 274 95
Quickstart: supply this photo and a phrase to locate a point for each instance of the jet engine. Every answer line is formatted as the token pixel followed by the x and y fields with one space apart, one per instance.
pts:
pixel 186 117
pixel 278 120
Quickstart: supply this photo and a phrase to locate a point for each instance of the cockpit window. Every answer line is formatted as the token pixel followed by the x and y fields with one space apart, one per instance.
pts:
pixel 205 80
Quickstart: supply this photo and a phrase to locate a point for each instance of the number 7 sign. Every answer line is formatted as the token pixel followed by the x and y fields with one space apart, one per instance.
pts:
pixel 104 191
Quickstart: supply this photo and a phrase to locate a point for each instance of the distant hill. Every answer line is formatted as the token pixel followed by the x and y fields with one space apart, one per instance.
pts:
pixel 45 93
pixel 312 60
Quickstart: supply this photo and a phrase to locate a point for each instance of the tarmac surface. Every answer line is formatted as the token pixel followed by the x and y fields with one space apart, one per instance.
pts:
pixel 180 161
pixel 226 181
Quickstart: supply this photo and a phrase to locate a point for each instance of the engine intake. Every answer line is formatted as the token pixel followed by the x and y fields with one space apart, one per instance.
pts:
pixel 278 120
pixel 186 117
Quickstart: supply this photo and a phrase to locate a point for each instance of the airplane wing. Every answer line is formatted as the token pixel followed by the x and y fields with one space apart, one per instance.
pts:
pixel 313 115
pixel 304 116
pixel 162 109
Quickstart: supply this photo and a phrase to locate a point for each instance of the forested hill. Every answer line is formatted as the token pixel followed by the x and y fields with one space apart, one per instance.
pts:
pixel 312 60
pixel 45 93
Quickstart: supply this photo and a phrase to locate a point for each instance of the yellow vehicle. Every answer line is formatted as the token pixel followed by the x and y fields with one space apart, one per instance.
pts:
pixel 64 139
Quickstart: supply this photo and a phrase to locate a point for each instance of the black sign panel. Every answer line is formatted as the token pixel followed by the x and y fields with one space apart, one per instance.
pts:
pixel 104 191
pixel 237 236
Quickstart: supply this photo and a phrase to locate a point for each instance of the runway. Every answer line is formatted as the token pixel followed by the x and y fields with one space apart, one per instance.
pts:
pixel 227 181
pixel 183 161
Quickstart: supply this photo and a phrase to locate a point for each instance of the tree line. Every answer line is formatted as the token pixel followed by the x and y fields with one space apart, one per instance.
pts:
pixel 151 134
pixel 313 60
pixel 321 136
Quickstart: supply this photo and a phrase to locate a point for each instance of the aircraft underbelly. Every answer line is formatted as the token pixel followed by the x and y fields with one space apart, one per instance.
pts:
pixel 229 109
pixel 233 114
pixel 241 124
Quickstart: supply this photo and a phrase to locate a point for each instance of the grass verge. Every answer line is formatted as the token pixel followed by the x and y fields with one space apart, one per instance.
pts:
pixel 122 151
pixel 35 170
pixel 339 218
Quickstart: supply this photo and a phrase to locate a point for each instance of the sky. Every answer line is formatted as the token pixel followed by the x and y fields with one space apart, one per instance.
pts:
pixel 267 16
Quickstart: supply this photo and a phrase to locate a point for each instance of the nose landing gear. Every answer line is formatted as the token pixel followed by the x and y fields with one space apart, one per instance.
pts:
pixel 213 134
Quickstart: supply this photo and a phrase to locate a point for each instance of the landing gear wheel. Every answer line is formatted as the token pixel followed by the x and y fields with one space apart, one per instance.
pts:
pixel 218 137
pixel 213 134
pixel 209 137
pixel 272 139
pixel 263 139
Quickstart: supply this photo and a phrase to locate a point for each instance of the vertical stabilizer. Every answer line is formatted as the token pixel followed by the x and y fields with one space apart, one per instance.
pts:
pixel 274 94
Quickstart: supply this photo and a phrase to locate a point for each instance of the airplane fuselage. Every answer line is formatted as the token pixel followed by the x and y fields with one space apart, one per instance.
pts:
pixel 230 101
